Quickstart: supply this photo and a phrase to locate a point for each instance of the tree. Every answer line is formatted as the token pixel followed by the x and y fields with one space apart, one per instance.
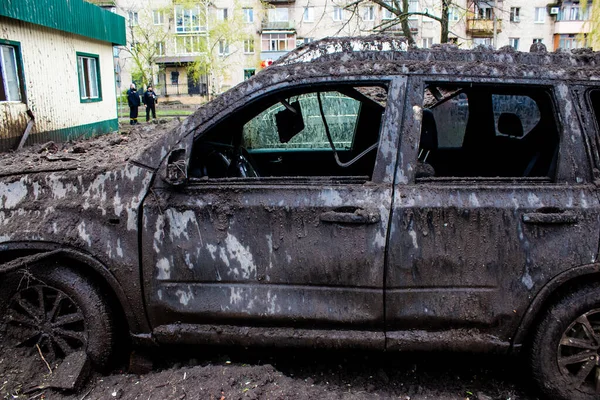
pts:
pixel 591 38
pixel 225 36
pixel 401 10
pixel 149 31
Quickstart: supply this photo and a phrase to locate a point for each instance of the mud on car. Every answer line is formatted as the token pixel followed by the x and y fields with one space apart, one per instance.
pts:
pixel 351 195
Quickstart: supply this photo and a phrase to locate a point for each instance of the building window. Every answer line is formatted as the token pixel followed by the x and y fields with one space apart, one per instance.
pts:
pixel 572 13
pixel 453 14
pixel 514 43
pixel 514 14
pixel 538 40
pixel 482 41
pixel 188 44
pixel 338 13
pixel 413 7
pixel 223 48
pixel 132 17
pixel 279 14
pixel 483 12
pixel 387 14
pixel 309 14
pixel 158 17
pixel 222 14
pixel 368 13
pixel 160 48
pixel 249 72
pixel 187 19
pixel 89 77
pixel 568 42
pixel 275 42
pixel 10 73
pixel 540 15
pixel 308 40
pixel 249 46
pixel 426 42
pixel 248 15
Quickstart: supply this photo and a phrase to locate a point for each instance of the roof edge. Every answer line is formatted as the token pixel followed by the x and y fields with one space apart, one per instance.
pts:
pixel 72 16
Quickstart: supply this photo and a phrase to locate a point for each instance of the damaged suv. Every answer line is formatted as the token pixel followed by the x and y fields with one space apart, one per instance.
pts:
pixel 350 195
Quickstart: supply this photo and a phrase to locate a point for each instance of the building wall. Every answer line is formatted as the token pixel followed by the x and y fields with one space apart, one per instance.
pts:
pixel 52 86
pixel 324 22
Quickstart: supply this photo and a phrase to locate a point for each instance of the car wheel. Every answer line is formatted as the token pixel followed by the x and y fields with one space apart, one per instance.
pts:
pixel 59 311
pixel 566 347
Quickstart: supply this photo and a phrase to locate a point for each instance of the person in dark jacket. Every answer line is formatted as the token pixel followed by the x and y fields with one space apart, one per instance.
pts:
pixel 150 101
pixel 133 99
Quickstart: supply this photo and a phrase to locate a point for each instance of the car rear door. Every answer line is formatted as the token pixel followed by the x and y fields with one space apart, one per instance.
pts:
pixel 276 251
pixel 487 210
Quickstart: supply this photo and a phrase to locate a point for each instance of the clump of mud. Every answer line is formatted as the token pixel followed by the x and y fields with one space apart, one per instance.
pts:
pixel 97 152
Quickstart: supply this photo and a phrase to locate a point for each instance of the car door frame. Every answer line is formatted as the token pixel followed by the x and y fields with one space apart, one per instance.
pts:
pixel 477 318
pixel 165 312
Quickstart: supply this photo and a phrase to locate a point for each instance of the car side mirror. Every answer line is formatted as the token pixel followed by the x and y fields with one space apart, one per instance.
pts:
pixel 289 121
pixel 176 173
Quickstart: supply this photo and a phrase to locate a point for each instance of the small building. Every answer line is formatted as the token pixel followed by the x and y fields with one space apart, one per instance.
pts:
pixel 57 66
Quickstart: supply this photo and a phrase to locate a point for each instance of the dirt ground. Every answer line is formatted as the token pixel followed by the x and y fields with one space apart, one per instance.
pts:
pixel 237 373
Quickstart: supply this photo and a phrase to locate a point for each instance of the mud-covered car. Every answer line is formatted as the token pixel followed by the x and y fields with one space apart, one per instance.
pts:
pixel 351 195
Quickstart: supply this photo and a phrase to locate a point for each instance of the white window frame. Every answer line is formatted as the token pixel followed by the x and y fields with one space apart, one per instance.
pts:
pixel 273 41
pixel 368 13
pixel 188 44
pixel 222 14
pixel 515 14
pixel 279 14
pixel 338 13
pixel 10 96
pixel 387 14
pixel 223 48
pixel 88 72
pixel 309 14
pixel 158 17
pixel 453 14
pixel 248 14
pixel 539 15
pixel 160 48
pixel 133 18
pixel 182 13
pixel 426 42
pixel 514 42
pixel 249 46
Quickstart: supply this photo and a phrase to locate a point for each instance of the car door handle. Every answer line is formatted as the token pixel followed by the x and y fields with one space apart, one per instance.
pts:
pixel 358 216
pixel 564 217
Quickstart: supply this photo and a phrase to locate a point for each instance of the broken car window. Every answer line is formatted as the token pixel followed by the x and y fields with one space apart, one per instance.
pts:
pixel 332 131
pixel 487 131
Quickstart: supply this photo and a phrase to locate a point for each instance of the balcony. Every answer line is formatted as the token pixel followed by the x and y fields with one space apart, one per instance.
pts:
pixel 483 27
pixel 284 26
pixel 571 27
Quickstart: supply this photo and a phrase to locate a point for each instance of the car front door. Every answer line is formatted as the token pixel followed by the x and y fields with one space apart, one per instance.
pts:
pixel 270 230
pixel 496 200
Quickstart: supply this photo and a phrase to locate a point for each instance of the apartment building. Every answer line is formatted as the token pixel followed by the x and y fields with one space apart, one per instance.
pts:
pixel 187 34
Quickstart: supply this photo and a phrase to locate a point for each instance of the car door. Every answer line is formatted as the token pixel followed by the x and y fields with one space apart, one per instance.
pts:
pixel 286 238
pixel 495 201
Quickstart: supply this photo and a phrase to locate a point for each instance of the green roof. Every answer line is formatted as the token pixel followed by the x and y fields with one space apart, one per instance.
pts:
pixel 73 16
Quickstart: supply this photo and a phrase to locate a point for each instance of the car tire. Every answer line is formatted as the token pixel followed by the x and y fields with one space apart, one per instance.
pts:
pixel 59 310
pixel 565 352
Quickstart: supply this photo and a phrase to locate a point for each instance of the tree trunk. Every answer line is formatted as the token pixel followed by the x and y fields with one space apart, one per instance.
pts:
pixel 444 21
pixel 405 26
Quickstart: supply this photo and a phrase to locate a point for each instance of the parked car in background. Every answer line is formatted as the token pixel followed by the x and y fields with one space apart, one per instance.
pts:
pixel 350 195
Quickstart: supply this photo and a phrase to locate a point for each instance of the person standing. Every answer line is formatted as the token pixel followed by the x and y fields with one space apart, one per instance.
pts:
pixel 150 101
pixel 133 99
